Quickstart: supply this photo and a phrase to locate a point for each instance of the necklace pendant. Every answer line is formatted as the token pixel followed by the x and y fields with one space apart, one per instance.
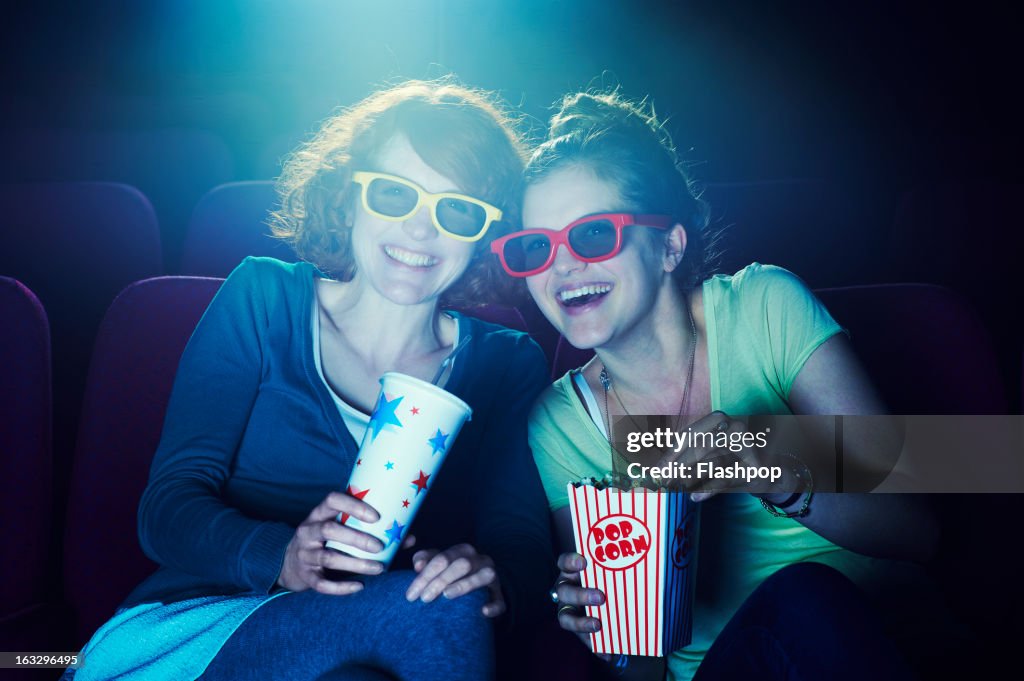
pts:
pixel 606 380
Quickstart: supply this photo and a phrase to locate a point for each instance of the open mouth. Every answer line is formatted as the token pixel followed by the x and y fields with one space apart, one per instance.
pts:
pixel 409 258
pixel 583 295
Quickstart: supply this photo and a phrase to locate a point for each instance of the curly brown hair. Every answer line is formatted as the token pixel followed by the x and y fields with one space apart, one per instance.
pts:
pixel 463 133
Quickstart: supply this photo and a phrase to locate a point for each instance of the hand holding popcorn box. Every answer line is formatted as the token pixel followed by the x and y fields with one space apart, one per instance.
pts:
pixel 641 551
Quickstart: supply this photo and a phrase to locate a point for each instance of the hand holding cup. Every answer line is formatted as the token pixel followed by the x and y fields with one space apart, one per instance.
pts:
pixel 306 559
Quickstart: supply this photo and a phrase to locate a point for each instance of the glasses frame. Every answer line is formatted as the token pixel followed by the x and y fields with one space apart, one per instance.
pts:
pixel 560 237
pixel 424 198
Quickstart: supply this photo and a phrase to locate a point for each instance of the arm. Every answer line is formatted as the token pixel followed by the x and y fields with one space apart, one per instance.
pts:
pixel 183 522
pixel 899 526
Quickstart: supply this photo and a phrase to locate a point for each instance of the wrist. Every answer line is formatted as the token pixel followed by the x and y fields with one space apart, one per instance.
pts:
pixel 795 503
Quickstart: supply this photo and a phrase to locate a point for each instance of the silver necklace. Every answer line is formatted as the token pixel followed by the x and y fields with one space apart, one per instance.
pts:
pixel 606 383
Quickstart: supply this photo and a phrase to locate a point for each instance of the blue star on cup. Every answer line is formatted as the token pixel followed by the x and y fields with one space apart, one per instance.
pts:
pixel 394 533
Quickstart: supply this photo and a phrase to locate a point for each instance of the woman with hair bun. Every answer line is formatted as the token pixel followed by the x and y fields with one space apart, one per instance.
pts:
pixel 614 252
pixel 392 206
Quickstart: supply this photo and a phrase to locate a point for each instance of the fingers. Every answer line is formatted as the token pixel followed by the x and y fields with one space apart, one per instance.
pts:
pixel 576 622
pixel 570 563
pixel 334 588
pixel 332 530
pixel 496 606
pixel 433 568
pixel 338 503
pixel 579 596
pixel 321 558
pixel 461 581
pixel 421 558
pixel 409 542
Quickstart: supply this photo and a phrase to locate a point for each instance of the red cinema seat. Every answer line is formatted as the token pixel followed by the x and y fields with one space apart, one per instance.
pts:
pixel 134 363
pixel 25 468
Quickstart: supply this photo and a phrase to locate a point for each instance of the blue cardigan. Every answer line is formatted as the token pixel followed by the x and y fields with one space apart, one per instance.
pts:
pixel 252 442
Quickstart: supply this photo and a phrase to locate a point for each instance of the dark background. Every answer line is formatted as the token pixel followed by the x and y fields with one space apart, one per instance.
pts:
pixel 891 111
pixel 854 143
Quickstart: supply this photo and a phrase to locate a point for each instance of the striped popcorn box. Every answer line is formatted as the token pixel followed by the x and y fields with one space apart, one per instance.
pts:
pixel 641 551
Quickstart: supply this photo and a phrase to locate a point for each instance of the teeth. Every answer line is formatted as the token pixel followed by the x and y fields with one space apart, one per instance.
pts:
pixel 409 258
pixel 566 296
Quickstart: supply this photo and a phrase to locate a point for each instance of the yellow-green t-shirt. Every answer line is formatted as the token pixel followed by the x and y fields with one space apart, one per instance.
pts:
pixel 762 326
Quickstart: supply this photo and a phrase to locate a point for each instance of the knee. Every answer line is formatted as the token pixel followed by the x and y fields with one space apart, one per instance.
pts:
pixel 807 577
pixel 809 590
pixel 465 611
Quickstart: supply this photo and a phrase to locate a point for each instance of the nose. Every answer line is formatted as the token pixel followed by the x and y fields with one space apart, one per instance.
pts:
pixel 565 262
pixel 420 225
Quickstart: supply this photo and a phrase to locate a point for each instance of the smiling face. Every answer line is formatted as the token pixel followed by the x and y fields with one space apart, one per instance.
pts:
pixel 409 261
pixel 592 304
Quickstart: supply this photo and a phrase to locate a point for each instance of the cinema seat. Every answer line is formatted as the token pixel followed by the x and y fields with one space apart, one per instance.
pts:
pixel 923 345
pixel 26 497
pixel 76 244
pixel 228 224
pixel 134 362
pixel 790 223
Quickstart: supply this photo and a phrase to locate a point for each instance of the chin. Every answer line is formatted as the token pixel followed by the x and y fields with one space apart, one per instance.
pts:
pixel 586 338
pixel 404 294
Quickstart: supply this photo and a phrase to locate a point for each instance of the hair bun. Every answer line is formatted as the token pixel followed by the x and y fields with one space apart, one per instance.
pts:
pixel 590 111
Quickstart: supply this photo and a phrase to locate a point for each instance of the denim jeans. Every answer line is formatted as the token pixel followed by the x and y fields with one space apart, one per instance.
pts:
pixel 373 635
pixel 805 622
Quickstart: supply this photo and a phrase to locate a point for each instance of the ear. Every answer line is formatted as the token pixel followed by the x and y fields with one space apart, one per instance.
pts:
pixel 675 247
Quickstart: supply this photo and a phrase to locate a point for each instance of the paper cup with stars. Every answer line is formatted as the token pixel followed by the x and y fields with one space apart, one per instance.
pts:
pixel 411 430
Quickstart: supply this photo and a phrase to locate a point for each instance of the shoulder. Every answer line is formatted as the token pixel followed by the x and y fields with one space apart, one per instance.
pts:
pixel 267 282
pixel 758 293
pixel 554 405
pixel 271 273
pixel 757 283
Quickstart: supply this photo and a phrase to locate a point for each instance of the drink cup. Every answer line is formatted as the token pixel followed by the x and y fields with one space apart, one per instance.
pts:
pixel 411 430
pixel 641 551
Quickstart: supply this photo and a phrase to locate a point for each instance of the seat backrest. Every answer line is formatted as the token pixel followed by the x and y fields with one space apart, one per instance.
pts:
pixel 173 166
pixel 790 223
pixel 923 346
pixel 498 314
pixel 131 374
pixel 228 224
pixel 25 455
pixel 77 245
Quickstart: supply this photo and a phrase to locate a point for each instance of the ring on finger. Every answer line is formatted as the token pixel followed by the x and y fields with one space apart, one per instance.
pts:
pixel 554 589
pixel 722 426
pixel 565 608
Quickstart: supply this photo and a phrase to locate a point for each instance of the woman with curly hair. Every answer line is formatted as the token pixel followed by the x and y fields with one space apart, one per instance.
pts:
pixel 392 205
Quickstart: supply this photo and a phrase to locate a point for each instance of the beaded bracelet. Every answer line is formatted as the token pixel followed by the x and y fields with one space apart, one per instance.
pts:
pixel 803 473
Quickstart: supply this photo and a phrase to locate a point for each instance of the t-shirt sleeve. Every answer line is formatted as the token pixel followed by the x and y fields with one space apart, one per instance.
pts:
pixel 183 521
pixel 785 318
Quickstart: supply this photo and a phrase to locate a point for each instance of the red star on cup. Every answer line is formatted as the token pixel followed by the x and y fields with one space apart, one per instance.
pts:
pixel 420 483
pixel 405 503
pixel 415 410
pixel 358 494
